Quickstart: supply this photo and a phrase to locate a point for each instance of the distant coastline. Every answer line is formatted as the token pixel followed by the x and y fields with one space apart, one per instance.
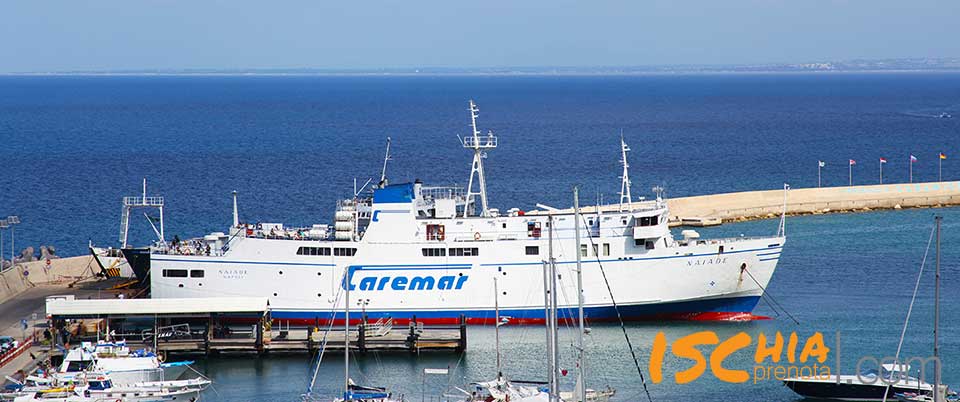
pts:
pixel 935 65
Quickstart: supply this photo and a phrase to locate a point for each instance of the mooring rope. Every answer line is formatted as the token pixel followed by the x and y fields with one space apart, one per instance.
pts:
pixel 767 294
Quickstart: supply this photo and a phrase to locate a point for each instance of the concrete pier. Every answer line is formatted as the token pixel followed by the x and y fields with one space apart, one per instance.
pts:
pixel 732 207
pixel 749 205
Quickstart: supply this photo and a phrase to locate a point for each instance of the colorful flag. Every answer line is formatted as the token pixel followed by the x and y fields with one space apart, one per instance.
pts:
pixel 822 163
pixel 883 160
pixel 913 158
pixel 943 155
pixel 853 162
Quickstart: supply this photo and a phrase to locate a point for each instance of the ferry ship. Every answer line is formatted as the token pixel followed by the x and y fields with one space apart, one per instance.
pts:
pixel 415 252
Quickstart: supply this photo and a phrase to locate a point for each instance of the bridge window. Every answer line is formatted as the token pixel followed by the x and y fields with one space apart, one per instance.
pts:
pixel 596 250
pixel 435 232
pixel 533 250
pixel 649 220
pixel 583 250
pixel 174 273
pixel 196 273
pixel 464 252
pixel 344 251
pixel 313 251
pixel 533 229
pixel 434 252
pixel 606 249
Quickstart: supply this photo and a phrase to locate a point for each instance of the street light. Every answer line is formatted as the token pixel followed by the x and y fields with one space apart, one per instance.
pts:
pixel 12 220
pixel 3 225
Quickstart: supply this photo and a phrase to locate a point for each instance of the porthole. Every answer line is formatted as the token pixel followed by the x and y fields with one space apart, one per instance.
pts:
pixel 180 285
pixel 274 294
pixel 281 272
pixel 319 295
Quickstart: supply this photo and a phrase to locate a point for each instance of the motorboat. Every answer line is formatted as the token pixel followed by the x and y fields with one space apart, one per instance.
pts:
pixel 869 385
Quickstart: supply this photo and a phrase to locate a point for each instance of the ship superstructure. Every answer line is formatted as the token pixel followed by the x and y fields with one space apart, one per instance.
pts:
pixel 431 253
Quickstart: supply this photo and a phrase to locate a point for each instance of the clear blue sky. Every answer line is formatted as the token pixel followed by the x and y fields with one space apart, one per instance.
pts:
pixel 242 34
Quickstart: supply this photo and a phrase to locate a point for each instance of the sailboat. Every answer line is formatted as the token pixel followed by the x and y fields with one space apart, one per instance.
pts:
pixel 940 392
pixel 580 393
pixel 351 391
pixel 891 381
pixel 500 389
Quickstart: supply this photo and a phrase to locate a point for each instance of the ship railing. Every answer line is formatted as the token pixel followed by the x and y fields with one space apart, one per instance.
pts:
pixel 482 141
pixel 143 201
pixel 382 327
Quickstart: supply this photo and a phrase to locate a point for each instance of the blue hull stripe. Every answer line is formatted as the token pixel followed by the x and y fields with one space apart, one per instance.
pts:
pixel 744 304
pixel 631 259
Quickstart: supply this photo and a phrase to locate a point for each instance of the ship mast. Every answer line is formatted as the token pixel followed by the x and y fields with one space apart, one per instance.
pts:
pixel 383 172
pixel 479 146
pixel 625 177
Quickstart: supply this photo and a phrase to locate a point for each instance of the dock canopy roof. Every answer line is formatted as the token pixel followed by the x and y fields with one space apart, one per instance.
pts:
pixel 172 306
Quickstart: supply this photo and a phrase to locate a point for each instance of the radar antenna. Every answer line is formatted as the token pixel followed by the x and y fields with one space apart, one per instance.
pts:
pixel 625 177
pixel 479 145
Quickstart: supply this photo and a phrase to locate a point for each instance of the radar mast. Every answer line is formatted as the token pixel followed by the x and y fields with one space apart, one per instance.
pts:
pixel 479 145
pixel 625 177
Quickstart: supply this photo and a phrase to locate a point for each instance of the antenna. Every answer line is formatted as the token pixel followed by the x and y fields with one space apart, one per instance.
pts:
pixel 782 229
pixel 625 177
pixel 383 173
pixel 479 145
pixel 236 213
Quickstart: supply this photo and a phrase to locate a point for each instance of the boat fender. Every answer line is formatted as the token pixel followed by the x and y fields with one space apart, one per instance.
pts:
pixel 476 236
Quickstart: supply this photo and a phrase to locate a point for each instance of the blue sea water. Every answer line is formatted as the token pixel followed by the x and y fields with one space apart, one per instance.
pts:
pixel 71 147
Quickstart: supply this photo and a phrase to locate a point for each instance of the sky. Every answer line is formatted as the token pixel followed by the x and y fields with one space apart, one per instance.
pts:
pixel 105 35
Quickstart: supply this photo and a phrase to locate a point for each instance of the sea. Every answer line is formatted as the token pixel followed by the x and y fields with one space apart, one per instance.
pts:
pixel 72 146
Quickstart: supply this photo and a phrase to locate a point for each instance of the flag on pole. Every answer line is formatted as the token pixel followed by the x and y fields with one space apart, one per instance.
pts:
pixel 822 163
pixel 853 162
pixel 913 158
pixel 943 155
pixel 883 160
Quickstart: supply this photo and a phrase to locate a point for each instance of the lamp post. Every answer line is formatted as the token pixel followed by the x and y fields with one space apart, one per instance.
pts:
pixel 12 220
pixel 3 225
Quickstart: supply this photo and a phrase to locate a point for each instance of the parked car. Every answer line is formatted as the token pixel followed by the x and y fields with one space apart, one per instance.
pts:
pixel 7 343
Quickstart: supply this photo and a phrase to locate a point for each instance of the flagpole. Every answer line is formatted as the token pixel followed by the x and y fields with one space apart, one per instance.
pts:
pixel 850 175
pixel 818 173
pixel 940 169
pixel 881 172
pixel 911 168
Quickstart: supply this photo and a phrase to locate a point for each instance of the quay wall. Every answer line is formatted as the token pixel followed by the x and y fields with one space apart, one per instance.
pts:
pixel 63 271
pixel 732 207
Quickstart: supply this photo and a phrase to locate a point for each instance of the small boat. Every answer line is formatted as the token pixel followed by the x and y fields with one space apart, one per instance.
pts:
pixel 123 365
pixel 944 115
pixel 98 387
pixel 867 386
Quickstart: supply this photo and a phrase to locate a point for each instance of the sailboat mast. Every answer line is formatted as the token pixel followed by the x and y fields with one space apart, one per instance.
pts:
pixel 496 324
pixel 551 314
pixel 582 388
pixel 936 321
pixel 346 340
